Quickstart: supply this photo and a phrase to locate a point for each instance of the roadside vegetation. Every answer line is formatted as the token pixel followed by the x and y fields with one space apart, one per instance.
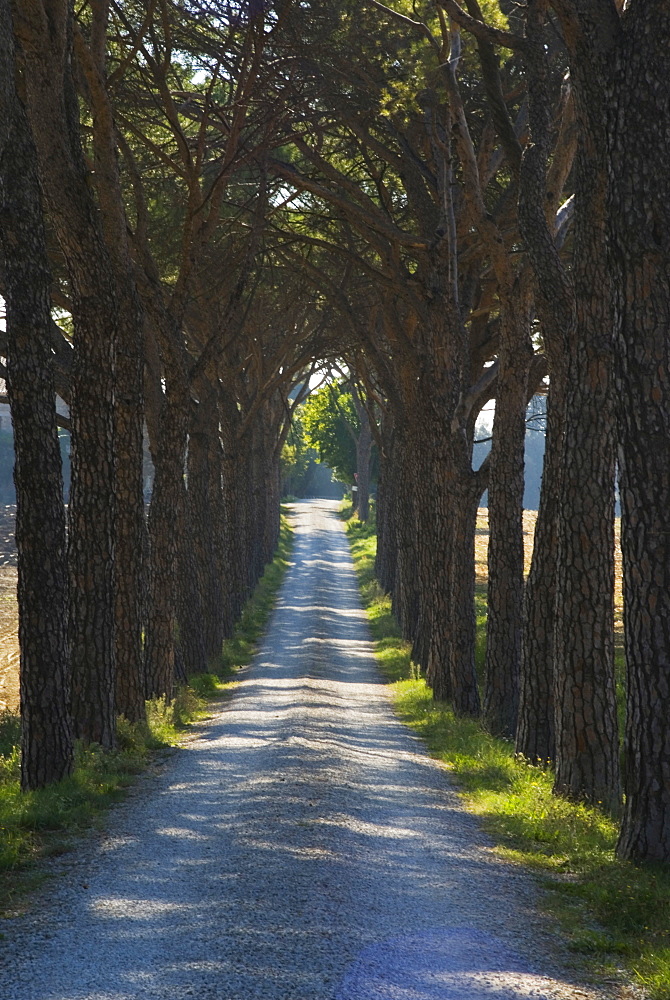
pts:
pixel 41 823
pixel 612 913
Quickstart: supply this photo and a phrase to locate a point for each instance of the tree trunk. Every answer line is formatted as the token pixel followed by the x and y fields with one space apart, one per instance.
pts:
pixel 587 745
pixel 506 550
pixel 462 622
pixel 92 511
pixel 386 555
pixel 130 538
pixel 363 456
pixel 169 459
pixel 535 734
pixel 188 588
pixel 205 499
pixel 639 224
pixel 46 730
pixel 53 113
pixel 131 526
pixel 233 526
pixel 446 556
pixel 405 592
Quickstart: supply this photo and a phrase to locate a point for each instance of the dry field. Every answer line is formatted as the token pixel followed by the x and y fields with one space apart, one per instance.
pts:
pixel 529 519
pixel 9 643
pixel 9 648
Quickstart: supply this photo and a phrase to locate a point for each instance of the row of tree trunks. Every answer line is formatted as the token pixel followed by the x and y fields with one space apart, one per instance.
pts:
pixel 148 602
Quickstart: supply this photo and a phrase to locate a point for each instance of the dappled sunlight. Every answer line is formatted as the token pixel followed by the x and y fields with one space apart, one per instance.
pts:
pixel 180 832
pixel 123 907
pixel 304 846
pixel 458 963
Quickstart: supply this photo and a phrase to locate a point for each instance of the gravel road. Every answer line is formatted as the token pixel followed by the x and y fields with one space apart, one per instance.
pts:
pixel 302 847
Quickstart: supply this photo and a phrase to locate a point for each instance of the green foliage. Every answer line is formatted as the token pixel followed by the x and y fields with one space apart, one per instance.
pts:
pixel 297 458
pixel 611 912
pixel 329 417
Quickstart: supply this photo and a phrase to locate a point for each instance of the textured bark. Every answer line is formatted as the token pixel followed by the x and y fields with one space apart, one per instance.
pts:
pixel 639 223
pixel 169 460
pixel 385 558
pixel 92 508
pixel 506 549
pixel 131 531
pixel 188 588
pixel 447 570
pixel 535 734
pixel 232 525
pixel 554 297
pixel 407 496
pixel 53 113
pixel 130 537
pixel 363 457
pixel 431 635
pixel 462 622
pixel 587 746
pixel 46 730
pixel 205 501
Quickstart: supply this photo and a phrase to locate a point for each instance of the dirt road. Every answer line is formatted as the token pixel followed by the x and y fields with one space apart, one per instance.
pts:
pixel 303 847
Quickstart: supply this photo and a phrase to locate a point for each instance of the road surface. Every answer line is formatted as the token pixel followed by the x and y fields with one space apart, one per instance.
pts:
pixel 302 847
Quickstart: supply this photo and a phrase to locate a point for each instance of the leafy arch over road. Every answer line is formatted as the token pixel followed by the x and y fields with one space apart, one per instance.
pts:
pixel 421 195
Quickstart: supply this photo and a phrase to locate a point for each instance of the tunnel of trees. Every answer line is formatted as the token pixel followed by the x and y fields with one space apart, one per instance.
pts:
pixel 205 204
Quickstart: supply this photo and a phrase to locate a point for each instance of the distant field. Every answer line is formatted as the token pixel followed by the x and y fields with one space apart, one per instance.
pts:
pixel 9 643
pixel 9 648
pixel 529 519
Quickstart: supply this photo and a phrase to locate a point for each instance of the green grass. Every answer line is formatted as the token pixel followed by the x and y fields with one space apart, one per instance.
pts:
pixel 613 914
pixel 239 650
pixel 42 823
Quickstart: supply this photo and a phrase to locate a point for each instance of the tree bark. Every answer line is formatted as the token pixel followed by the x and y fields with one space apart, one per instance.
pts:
pixel 386 555
pixel 363 457
pixel 130 539
pixel 535 734
pixel 405 598
pixel 506 548
pixel 188 587
pixel 169 462
pixel 587 745
pixel 206 498
pixel 46 37
pixel 639 224
pixel 46 730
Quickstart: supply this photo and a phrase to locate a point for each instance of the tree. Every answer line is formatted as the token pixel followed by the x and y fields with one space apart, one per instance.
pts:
pixel 638 222
pixel 45 38
pixel 297 458
pixel 47 743
pixel 332 427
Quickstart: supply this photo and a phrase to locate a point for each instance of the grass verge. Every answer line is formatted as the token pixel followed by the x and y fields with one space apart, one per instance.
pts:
pixel 39 824
pixel 614 914
pixel 239 650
